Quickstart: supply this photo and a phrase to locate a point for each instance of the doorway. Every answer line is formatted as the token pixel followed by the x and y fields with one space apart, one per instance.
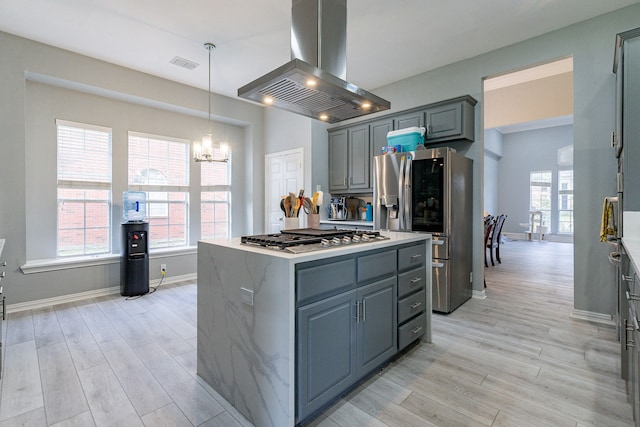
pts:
pixel 528 157
pixel 284 173
pixel 528 135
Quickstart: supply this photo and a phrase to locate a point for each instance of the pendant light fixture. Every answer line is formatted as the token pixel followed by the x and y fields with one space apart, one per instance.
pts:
pixel 203 152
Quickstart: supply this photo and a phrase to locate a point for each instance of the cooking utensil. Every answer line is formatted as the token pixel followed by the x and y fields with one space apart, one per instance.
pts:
pixel 319 201
pixel 307 204
pixel 282 206
pixel 287 207
pixel 296 209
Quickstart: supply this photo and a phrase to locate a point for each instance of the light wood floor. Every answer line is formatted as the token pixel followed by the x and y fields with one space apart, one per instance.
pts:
pixel 513 359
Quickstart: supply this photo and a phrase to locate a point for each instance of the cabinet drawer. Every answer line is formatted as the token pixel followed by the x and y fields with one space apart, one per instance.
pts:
pixel 411 257
pixel 376 265
pixel 411 331
pixel 410 306
pixel 411 281
pixel 325 279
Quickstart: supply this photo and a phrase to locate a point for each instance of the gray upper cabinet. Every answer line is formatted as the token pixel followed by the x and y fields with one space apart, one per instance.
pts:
pixel 350 160
pixel 378 133
pixel 627 68
pixel 415 118
pixel 359 158
pixel 450 120
pixel 338 163
pixel 352 147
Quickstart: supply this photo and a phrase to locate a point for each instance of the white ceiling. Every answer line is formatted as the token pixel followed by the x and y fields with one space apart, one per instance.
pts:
pixel 387 40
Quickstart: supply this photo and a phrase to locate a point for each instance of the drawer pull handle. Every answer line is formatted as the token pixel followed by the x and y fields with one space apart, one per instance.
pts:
pixel 627 278
pixel 416 330
pixel 416 280
pixel 416 305
pixel 632 297
pixel 416 256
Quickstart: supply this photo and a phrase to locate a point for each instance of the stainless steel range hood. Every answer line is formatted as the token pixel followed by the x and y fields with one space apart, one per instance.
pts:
pixel 312 83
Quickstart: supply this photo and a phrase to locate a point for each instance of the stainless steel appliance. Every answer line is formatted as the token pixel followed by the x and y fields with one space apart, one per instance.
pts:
pixel 313 82
pixel 310 239
pixel 431 191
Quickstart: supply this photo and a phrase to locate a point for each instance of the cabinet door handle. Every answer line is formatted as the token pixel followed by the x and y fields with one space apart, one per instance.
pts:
pixel 437 242
pixel 416 330
pixel 364 310
pixel 344 181
pixel 357 312
pixel 627 278
pixel 437 264
pixel 416 305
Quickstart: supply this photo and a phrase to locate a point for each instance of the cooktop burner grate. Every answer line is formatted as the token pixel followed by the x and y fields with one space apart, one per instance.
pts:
pixel 296 240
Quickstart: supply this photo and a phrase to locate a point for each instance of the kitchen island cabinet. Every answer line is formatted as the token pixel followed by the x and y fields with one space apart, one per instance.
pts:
pixel 253 301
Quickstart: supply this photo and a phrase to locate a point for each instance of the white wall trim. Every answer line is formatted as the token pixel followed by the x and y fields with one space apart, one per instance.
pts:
pixel 478 294
pixel 62 299
pixel 561 238
pixel 590 316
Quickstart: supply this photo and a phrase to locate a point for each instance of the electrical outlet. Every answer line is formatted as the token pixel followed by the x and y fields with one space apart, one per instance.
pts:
pixel 163 268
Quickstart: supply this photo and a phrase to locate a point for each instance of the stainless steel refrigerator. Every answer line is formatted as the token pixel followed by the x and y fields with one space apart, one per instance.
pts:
pixel 430 191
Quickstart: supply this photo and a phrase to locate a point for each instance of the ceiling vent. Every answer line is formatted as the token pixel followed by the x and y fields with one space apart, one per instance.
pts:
pixel 312 83
pixel 184 63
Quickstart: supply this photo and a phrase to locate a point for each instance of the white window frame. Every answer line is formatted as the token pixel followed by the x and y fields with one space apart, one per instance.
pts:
pixel 561 193
pixel 158 200
pixel 546 213
pixel 84 184
pixel 217 153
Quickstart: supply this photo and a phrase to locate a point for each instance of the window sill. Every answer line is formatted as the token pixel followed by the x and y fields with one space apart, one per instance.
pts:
pixel 46 265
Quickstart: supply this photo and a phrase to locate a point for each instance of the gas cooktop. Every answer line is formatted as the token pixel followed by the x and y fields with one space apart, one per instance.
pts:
pixel 310 239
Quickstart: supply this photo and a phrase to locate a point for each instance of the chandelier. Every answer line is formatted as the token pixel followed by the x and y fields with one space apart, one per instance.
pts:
pixel 203 151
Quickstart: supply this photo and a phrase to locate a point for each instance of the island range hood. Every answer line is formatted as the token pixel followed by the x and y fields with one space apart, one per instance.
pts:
pixel 313 82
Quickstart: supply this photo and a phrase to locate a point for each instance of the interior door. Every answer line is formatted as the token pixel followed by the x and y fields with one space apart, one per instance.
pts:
pixel 284 174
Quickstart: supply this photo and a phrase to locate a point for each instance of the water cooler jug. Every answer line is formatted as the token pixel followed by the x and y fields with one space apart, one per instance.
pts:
pixel 134 252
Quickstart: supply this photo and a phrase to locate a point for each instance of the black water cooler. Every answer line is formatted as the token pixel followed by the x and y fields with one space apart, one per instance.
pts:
pixel 134 259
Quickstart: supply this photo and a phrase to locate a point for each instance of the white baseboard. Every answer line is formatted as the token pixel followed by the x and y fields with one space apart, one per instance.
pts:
pixel 47 302
pixel 547 237
pixel 478 294
pixel 590 316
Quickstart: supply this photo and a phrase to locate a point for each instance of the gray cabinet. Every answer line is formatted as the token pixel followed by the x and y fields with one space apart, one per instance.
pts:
pixel 407 120
pixel 326 351
pixel 352 147
pixel 338 163
pixel 376 329
pixel 627 68
pixel 412 298
pixel 342 337
pixel 378 131
pixel 350 160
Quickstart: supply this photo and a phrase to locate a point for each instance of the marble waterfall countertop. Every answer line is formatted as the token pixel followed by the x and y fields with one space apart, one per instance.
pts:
pixel 631 239
pixel 246 321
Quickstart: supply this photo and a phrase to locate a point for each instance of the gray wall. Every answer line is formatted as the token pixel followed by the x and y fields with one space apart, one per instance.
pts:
pixel 41 83
pixel 492 156
pixel 523 152
pixel 591 45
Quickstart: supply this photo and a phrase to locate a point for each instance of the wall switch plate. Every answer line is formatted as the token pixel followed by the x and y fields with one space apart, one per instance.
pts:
pixel 246 296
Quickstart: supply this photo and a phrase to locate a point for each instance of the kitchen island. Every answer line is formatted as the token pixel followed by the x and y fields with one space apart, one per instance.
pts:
pixel 251 349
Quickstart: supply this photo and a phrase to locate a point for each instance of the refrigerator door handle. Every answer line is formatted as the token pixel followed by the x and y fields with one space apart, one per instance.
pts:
pixel 407 195
pixel 401 200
